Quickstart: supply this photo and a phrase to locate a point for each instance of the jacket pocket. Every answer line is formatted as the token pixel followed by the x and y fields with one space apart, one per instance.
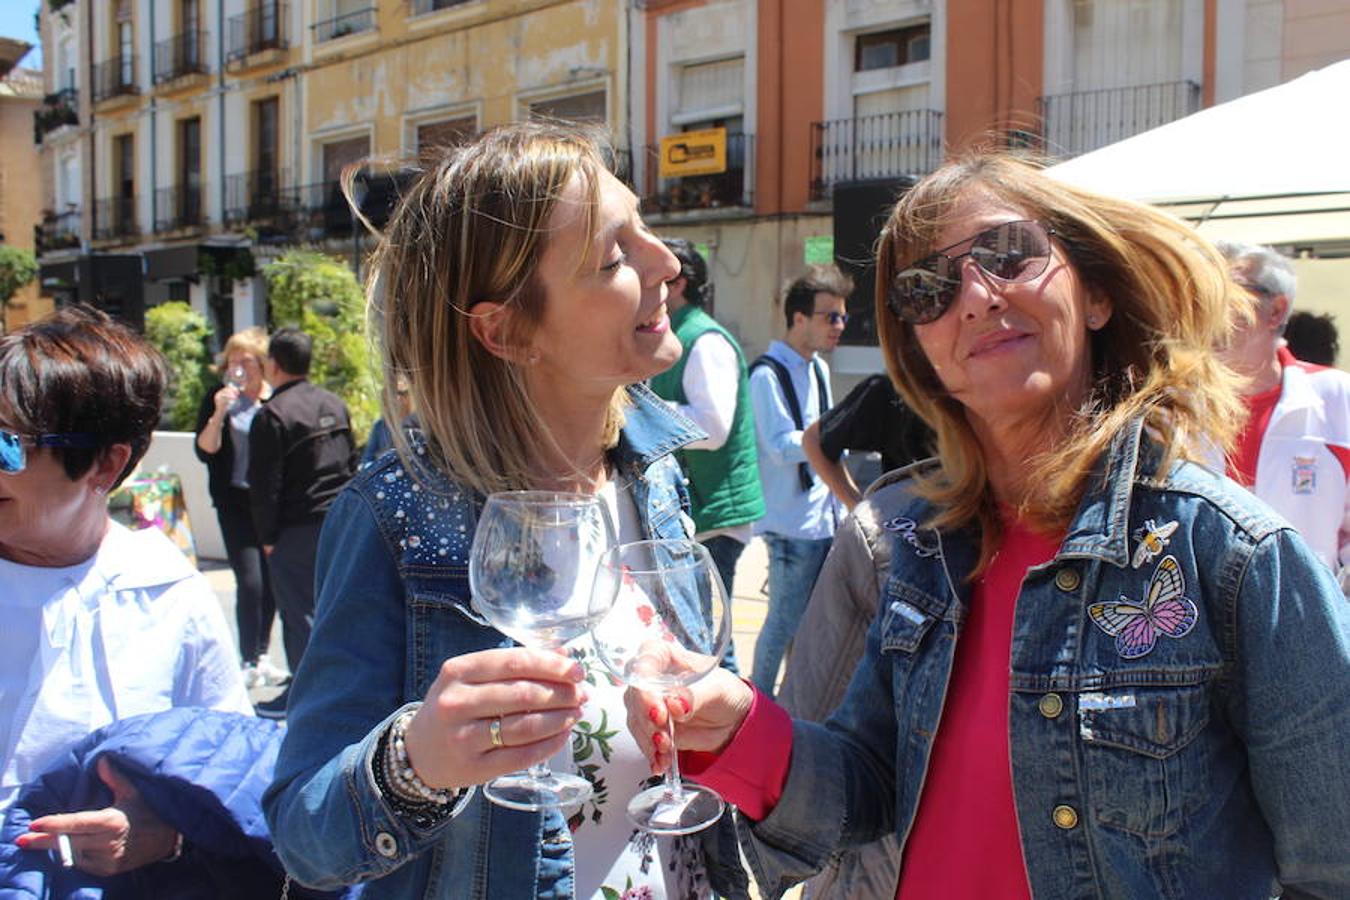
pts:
pixel 1143 761
pixel 903 625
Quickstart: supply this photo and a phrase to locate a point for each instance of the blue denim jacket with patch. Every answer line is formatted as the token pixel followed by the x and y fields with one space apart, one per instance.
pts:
pixel 1177 729
pixel 393 604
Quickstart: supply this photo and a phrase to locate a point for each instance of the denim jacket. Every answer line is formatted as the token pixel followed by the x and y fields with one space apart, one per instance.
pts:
pixel 392 604
pixel 1212 764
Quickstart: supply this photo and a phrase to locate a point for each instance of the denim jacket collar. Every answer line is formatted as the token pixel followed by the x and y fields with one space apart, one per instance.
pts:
pixel 1101 526
pixel 652 429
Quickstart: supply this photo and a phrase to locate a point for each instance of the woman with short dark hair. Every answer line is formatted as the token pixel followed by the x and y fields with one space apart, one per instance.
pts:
pixel 101 623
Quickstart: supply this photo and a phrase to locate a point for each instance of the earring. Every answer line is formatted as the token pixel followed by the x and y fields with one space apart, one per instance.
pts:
pixel 100 490
pixel 533 358
pixel 1092 322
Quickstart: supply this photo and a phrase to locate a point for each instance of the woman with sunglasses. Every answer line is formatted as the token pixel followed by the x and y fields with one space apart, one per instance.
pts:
pixel 523 299
pixel 100 623
pixel 1096 668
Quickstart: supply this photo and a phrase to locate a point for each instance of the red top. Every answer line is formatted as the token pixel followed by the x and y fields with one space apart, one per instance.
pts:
pixel 1247 450
pixel 964 844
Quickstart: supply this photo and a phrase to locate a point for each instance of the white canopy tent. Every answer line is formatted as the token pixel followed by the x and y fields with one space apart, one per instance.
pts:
pixel 1272 167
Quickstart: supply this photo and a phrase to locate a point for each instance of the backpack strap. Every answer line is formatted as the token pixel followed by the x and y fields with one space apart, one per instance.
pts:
pixel 804 476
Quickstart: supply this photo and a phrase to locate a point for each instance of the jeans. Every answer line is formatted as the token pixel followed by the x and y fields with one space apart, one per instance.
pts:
pixel 254 608
pixel 291 566
pixel 794 564
pixel 725 551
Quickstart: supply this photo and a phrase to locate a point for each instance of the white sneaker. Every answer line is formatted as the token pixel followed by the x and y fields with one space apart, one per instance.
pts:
pixel 270 675
pixel 252 677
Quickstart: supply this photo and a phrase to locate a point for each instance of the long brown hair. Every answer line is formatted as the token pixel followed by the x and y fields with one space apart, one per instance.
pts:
pixel 472 228
pixel 1172 301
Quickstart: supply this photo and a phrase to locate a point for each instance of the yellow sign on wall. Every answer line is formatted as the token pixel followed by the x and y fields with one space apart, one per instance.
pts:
pixel 694 153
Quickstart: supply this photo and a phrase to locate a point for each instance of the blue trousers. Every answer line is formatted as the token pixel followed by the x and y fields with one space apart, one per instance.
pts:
pixel 794 564
pixel 725 551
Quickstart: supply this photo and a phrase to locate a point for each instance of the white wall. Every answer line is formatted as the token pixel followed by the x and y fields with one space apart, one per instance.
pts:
pixel 172 450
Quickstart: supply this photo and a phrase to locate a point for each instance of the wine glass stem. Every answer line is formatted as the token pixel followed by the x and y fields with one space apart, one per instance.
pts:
pixel 674 787
pixel 540 771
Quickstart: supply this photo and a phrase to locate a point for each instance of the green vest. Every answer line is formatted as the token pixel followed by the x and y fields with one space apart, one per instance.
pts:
pixel 723 483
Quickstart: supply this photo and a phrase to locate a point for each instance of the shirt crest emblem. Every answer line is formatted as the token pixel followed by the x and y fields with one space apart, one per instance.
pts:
pixel 1304 475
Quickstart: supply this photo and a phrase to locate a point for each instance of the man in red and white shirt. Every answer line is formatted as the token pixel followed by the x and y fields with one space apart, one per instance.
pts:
pixel 1294 452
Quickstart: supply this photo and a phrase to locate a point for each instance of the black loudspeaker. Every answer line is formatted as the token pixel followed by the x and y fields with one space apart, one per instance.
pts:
pixel 860 210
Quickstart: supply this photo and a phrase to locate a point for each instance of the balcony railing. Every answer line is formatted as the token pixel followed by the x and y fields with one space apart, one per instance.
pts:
pixel 732 188
pixel 58 231
pixel 178 207
pixel 183 54
pixel 115 77
pixel 326 212
pixel 1078 122
pixel 262 27
pixel 420 7
pixel 261 197
pixel 341 26
pixel 115 219
pixel 58 109
pixel 870 147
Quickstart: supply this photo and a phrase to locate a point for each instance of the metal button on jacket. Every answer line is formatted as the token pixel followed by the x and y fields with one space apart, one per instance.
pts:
pixel 1067 579
pixel 1050 705
pixel 1065 817
pixel 385 845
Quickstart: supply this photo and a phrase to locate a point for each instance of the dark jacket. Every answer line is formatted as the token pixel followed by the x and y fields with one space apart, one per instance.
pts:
pixel 301 454
pixel 201 771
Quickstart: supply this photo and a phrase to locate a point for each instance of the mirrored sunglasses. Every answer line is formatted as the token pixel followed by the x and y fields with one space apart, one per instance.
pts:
pixel 14 453
pixel 835 318
pixel 1012 252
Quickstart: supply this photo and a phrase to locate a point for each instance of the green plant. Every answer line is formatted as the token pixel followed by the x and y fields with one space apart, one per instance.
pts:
pixel 17 268
pixel 232 265
pixel 320 295
pixel 180 333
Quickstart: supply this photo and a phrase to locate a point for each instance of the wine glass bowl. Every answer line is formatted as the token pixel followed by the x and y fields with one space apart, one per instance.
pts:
pixel 668 624
pixel 531 570
pixel 236 378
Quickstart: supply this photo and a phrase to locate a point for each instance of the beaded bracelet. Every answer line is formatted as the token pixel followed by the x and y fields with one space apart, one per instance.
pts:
pixel 402 777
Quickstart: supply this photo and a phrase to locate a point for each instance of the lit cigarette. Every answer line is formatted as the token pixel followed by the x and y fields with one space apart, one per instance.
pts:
pixel 67 854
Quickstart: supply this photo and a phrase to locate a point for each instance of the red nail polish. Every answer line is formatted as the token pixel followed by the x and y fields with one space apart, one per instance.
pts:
pixel 655 715
pixel 686 705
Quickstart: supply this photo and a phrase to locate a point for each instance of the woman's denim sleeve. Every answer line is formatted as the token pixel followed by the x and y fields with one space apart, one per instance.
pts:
pixel 1292 707
pixel 840 790
pixel 328 821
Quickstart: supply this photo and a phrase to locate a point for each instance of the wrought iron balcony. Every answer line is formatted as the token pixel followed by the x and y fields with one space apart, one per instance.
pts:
pixel 115 219
pixel 871 147
pixel 262 27
pixel 326 212
pixel 57 231
pixel 57 110
pixel 179 207
pixel 1077 122
pixel 115 77
pixel 732 188
pixel 343 25
pixel 263 197
pixel 181 55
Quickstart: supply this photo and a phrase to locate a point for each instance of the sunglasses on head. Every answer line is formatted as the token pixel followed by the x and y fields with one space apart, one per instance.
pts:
pixel 1012 252
pixel 13 446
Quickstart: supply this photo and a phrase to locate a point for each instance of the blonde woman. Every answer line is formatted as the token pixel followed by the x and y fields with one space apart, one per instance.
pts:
pixel 520 295
pixel 1096 668
pixel 223 423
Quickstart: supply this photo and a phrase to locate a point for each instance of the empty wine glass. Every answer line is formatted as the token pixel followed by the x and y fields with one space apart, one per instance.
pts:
pixel 531 570
pixel 236 378
pixel 658 635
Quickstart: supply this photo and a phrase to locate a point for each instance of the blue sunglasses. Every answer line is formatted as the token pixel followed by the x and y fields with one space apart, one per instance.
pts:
pixel 14 456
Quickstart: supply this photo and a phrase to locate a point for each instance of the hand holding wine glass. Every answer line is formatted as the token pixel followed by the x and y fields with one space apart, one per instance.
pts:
pixel 656 637
pixel 531 570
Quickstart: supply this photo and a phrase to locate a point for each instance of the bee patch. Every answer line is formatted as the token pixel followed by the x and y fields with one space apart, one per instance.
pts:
pixel 1151 540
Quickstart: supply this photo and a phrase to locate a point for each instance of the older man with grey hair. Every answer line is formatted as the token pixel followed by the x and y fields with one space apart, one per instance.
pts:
pixel 1294 452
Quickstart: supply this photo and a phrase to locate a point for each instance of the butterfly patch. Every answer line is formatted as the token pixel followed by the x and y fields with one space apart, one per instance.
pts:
pixel 1164 610
pixel 1152 539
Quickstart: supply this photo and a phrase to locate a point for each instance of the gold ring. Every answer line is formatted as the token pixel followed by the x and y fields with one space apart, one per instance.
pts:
pixel 495 732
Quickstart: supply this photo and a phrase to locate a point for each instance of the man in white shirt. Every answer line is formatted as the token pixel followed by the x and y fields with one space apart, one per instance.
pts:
pixel 710 385
pixel 790 389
